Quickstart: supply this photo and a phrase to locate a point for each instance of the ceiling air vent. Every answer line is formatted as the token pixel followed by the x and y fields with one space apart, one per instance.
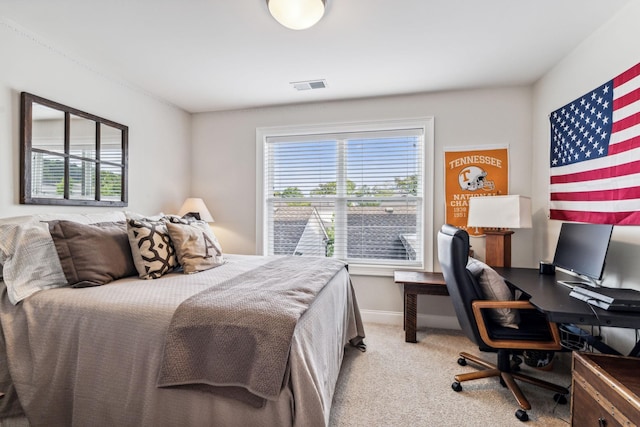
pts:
pixel 309 84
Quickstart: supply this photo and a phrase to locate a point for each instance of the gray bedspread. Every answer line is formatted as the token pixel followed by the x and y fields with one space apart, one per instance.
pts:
pixel 235 336
pixel 91 357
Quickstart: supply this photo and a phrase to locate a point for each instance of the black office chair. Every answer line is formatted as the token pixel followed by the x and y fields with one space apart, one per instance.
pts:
pixel 535 331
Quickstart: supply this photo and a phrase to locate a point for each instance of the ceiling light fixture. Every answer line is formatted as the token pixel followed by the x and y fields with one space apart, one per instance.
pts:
pixel 297 14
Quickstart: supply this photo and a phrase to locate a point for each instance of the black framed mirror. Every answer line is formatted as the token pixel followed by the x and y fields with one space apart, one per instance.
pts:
pixel 69 157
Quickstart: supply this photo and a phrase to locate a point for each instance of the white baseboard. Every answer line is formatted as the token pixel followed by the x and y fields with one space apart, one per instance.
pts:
pixel 397 318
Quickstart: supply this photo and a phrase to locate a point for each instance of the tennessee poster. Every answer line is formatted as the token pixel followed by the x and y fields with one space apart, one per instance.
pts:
pixel 473 173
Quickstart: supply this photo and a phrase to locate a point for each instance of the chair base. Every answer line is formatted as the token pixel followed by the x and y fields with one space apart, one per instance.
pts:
pixel 507 378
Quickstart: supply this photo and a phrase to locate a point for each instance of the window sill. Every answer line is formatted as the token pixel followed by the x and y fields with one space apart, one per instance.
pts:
pixel 380 271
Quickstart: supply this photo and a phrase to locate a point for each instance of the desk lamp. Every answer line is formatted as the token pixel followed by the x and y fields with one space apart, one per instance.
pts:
pixel 498 215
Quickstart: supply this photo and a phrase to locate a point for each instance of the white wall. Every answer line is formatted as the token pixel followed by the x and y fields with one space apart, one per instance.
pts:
pixel 611 50
pixel 159 134
pixel 224 146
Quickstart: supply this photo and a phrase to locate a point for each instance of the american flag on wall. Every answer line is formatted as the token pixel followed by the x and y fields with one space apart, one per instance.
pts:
pixel 595 154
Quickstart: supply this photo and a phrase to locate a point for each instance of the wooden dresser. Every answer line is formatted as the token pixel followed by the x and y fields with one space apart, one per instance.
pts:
pixel 605 390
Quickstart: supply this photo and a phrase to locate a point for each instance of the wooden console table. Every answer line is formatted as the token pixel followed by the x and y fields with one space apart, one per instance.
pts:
pixel 414 283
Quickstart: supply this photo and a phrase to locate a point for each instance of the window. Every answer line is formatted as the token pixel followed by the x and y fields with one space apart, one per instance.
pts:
pixel 70 157
pixel 357 192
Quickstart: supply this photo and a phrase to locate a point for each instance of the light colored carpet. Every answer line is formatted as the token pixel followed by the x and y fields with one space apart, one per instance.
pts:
pixel 398 384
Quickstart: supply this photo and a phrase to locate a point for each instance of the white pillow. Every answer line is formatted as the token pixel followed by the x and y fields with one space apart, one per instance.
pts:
pixel 29 259
pixel 494 288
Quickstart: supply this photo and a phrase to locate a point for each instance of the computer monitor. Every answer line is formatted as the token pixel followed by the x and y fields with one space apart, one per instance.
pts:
pixel 582 249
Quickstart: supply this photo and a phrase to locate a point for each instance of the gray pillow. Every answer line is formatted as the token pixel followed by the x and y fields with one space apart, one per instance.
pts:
pixel 494 288
pixel 92 254
pixel 25 242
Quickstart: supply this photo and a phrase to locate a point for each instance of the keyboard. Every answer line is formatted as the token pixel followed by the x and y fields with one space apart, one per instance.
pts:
pixel 571 284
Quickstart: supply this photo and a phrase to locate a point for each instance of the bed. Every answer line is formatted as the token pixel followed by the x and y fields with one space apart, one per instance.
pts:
pixel 98 355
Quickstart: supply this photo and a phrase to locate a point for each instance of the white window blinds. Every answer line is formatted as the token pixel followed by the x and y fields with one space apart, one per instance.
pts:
pixel 355 195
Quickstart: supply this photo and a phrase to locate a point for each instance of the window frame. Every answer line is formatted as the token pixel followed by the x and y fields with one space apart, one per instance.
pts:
pixel 428 197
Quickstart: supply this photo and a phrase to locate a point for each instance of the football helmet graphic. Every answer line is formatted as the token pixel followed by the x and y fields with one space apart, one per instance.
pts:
pixel 473 178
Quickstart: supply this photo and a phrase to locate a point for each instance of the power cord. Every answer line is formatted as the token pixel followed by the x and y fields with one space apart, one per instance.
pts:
pixel 591 307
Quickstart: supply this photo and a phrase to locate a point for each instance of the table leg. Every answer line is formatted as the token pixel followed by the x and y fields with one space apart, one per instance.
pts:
pixel 410 317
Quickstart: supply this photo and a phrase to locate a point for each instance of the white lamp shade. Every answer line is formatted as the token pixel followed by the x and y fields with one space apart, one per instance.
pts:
pixel 196 205
pixel 297 14
pixel 499 212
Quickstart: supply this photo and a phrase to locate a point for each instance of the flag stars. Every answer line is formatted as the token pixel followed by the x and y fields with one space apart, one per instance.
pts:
pixel 581 130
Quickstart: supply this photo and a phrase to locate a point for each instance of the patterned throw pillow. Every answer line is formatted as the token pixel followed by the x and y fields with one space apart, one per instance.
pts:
pixel 151 248
pixel 196 245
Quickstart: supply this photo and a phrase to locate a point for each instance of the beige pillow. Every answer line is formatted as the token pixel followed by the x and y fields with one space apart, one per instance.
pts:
pixel 196 246
pixel 494 288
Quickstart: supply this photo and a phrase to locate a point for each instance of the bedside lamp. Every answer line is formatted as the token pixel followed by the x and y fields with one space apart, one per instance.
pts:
pixel 197 208
pixel 497 215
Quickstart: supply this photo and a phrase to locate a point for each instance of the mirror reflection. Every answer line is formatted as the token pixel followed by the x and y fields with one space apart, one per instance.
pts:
pixel 71 157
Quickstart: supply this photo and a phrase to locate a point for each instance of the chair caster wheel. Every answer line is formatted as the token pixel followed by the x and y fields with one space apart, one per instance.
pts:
pixel 456 386
pixel 516 360
pixel 561 399
pixel 515 368
pixel 522 415
pixel 462 361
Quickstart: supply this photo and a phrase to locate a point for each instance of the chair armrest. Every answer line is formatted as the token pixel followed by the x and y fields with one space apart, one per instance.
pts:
pixel 478 306
pixel 482 304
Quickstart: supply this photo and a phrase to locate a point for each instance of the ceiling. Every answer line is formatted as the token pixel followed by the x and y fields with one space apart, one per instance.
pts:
pixel 212 55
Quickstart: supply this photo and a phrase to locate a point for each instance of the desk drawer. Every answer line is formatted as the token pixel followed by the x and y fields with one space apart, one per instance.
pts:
pixel 590 408
pixel 599 395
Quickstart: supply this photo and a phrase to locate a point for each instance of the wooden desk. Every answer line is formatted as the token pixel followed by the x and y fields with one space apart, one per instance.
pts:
pixel 414 283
